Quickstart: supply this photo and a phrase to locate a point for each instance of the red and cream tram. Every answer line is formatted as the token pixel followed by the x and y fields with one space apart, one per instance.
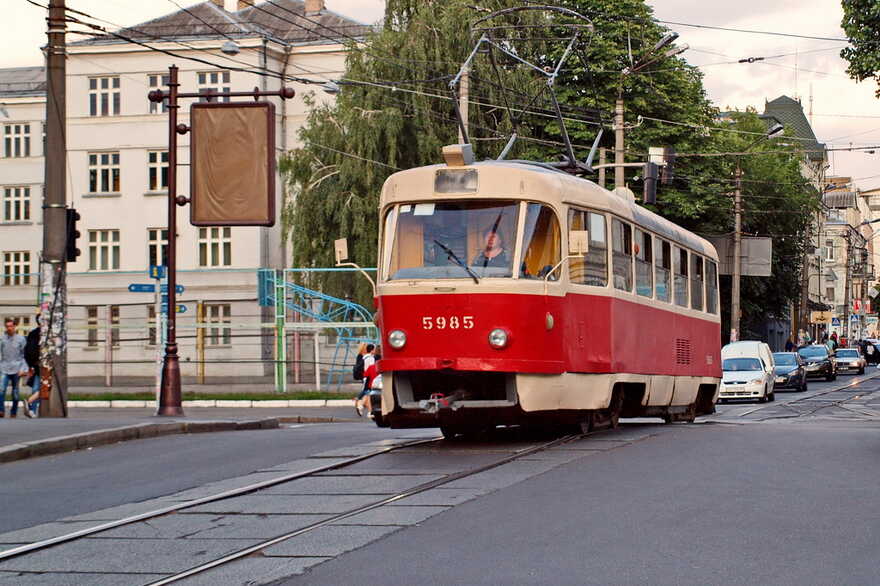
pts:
pixel 512 293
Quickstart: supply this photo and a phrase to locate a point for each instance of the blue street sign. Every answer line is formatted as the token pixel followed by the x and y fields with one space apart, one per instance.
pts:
pixel 177 288
pixel 157 271
pixel 141 288
pixel 853 317
pixel 835 321
pixel 180 308
pixel 164 299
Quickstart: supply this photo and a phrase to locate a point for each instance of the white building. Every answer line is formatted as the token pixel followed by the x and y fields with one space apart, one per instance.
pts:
pixel 117 179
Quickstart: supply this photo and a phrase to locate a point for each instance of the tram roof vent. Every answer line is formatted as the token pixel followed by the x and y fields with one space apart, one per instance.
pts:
pixel 458 155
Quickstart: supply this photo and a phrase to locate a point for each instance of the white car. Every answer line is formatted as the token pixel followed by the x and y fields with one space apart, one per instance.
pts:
pixel 746 378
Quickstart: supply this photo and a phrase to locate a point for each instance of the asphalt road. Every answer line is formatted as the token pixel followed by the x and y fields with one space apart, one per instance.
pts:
pixel 44 489
pixel 771 500
pixel 776 493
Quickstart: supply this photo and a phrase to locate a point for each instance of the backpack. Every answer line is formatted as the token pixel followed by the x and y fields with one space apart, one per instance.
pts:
pixel 358 370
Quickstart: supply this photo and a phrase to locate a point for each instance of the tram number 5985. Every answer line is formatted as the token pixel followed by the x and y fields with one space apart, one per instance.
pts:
pixel 454 322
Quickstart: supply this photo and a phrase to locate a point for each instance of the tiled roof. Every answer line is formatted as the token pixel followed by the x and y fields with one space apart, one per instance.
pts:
pixel 22 82
pixel 790 113
pixel 281 19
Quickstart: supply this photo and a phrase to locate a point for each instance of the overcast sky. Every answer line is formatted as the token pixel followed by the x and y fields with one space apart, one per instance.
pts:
pixel 844 112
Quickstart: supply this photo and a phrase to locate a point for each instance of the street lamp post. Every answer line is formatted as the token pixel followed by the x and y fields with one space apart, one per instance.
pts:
pixel 774 130
pixel 647 59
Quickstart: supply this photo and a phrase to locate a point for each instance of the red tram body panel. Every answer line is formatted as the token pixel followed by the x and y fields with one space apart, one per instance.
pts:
pixel 486 319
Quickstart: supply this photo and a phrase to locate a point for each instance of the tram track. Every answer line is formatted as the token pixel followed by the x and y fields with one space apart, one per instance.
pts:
pixel 254 488
pixel 251 488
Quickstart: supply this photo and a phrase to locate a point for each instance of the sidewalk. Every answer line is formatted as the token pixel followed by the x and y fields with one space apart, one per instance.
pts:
pixel 23 438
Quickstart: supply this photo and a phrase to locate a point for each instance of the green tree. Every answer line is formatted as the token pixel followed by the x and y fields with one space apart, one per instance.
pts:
pixel 351 146
pixel 861 23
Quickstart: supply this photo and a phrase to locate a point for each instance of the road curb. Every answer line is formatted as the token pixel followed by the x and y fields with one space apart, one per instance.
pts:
pixel 100 437
pixel 243 404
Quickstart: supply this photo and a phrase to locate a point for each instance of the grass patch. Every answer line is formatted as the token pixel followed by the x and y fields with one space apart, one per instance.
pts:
pixel 190 396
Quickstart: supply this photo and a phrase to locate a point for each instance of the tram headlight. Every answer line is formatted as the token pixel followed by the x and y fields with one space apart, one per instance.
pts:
pixel 396 339
pixel 498 338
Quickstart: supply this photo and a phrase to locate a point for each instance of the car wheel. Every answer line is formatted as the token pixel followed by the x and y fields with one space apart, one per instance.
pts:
pixel 772 396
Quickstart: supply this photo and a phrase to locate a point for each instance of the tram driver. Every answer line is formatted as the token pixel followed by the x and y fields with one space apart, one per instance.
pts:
pixel 493 254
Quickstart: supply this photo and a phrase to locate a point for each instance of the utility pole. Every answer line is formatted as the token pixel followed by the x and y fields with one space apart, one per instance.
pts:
pixel 619 180
pixel 737 256
pixel 463 97
pixel 53 293
pixel 847 285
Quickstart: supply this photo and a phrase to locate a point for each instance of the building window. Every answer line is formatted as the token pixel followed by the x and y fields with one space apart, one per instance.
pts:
pixel 16 140
pixel 218 313
pixel 92 326
pixel 16 204
pixel 157 246
pixel 158 82
pixel 158 170
pixel 829 293
pixel 104 96
pixel 214 81
pixel 829 250
pixel 103 250
pixel 114 325
pixel 152 330
pixel 16 268
pixel 103 172
pixel 215 247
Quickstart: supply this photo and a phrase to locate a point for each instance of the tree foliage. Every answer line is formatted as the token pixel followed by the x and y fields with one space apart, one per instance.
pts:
pixel 861 22
pixel 395 112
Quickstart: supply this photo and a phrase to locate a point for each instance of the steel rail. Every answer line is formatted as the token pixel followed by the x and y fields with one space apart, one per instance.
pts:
pixel 358 510
pixel 46 543
pixel 853 383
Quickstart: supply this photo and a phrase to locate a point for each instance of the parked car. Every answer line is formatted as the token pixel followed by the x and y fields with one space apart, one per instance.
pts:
pixel 791 371
pixel 748 371
pixel 820 362
pixel 850 359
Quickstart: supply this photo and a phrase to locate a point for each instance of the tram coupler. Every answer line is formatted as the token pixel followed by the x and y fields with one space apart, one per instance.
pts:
pixel 438 402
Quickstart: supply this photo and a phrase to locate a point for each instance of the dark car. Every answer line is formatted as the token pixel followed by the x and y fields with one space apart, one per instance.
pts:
pixel 819 361
pixel 791 371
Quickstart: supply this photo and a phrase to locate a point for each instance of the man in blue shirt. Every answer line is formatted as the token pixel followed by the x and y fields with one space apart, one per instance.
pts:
pixel 12 364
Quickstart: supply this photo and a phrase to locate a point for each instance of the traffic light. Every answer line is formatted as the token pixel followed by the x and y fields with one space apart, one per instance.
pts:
pixel 649 195
pixel 71 251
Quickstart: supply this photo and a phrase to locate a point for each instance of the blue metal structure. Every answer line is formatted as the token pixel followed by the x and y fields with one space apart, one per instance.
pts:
pixel 283 294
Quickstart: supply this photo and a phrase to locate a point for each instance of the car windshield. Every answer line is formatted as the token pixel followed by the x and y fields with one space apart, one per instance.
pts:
pixel 848 353
pixel 740 364
pixel 813 352
pixel 453 239
pixel 785 359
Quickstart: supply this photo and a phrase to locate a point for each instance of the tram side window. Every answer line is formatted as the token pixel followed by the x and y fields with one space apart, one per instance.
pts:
pixel 680 258
pixel 644 270
pixel 621 255
pixel 663 268
pixel 697 282
pixel 592 268
pixel 541 243
pixel 711 287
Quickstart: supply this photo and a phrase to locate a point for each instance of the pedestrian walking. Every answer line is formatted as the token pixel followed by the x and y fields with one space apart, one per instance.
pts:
pixel 32 357
pixel 12 365
pixel 367 361
pixel 789 345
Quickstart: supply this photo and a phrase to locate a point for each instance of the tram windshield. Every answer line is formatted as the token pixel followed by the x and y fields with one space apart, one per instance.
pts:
pixel 454 240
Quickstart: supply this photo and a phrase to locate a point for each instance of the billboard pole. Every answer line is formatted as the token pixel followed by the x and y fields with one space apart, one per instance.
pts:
pixel 169 403
pixel 169 391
